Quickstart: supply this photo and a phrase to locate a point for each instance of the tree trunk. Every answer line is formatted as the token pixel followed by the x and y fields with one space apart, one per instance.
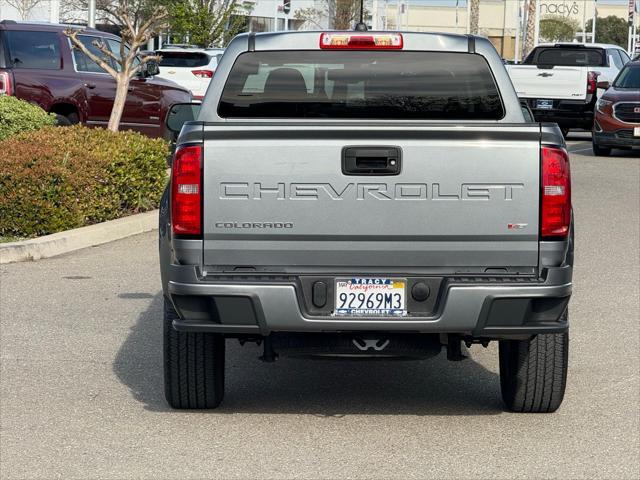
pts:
pixel 474 16
pixel 531 28
pixel 122 89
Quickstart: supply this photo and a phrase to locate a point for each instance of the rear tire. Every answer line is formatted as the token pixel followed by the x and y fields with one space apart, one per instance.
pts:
pixel 599 151
pixel 193 366
pixel 533 373
pixel 67 120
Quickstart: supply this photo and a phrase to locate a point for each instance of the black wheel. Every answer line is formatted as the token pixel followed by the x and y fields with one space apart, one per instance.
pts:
pixel 533 373
pixel 67 120
pixel 193 366
pixel 599 151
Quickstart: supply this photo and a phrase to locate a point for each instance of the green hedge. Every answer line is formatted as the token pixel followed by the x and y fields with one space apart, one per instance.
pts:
pixel 56 179
pixel 19 116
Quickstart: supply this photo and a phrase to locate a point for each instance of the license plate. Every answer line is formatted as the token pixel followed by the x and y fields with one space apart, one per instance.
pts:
pixel 370 296
pixel 544 104
pixel 636 131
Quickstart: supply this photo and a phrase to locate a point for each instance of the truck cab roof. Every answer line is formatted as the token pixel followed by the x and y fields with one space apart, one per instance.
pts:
pixel 309 40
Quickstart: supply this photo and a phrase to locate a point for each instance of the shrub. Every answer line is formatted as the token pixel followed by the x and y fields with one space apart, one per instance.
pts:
pixel 19 116
pixel 56 179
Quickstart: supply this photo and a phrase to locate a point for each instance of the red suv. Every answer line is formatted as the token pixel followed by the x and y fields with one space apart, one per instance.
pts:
pixel 38 64
pixel 617 119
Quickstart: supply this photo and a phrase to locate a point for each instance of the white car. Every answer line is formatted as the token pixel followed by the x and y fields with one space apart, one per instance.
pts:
pixel 190 68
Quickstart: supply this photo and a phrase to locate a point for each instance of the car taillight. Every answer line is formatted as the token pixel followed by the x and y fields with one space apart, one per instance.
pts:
pixel 5 84
pixel 361 41
pixel 592 82
pixel 186 190
pixel 555 205
pixel 203 73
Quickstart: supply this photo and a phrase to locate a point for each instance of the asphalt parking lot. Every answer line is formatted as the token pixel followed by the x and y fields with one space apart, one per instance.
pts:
pixel 82 397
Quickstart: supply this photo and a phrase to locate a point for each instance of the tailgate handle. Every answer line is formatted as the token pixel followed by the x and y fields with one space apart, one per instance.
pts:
pixel 371 160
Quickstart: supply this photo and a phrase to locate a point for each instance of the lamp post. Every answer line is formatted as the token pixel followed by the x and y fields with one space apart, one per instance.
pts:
pixel 593 25
pixel 91 23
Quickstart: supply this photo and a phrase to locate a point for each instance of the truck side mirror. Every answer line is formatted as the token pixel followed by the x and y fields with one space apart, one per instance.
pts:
pixel 181 113
pixel 603 84
pixel 152 68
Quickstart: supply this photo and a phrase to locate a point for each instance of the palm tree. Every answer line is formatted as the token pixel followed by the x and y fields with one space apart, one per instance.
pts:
pixel 531 27
pixel 474 16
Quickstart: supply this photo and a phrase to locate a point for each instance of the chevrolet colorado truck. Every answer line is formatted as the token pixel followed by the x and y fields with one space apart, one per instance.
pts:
pixel 365 194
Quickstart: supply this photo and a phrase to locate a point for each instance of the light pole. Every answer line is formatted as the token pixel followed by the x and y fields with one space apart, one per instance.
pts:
pixel 91 23
pixel 593 25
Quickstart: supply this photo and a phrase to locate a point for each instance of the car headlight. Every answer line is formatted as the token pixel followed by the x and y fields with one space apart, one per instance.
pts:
pixel 602 104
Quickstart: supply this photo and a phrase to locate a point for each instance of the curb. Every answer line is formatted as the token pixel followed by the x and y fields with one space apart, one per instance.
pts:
pixel 78 238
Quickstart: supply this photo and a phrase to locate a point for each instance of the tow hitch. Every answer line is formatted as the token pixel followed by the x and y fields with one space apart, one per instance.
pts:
pixel 355 345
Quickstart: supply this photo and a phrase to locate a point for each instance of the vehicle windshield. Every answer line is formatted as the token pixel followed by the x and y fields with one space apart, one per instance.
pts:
pixel 566 57
pixel 361 84
pixel 183 59
pixel 629 77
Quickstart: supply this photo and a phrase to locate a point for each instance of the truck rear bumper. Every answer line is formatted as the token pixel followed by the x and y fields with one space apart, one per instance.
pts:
pixel 477 307
pixel 566 113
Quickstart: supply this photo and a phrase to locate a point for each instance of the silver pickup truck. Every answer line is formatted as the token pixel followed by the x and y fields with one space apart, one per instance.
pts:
pixel 365 194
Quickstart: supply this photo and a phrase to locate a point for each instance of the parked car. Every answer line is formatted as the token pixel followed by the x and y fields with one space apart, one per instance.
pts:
pixel 617 119
pixel 39 65
pixel 191 68
pixel 559 81
pixel 348 194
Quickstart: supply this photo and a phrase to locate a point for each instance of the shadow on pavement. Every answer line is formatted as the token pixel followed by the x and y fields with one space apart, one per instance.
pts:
pixel 318 387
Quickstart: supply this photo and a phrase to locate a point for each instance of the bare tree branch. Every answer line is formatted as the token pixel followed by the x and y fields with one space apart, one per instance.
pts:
pixel 105 49
pixel 77 44
pixel 24 7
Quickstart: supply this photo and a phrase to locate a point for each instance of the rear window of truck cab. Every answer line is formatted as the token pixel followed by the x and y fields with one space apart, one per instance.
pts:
pixel 567 57
pixel 361 84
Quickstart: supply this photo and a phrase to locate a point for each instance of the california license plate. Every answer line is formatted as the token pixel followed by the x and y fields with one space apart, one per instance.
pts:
pixel 636 131
pixel 370 296
pixel 544 104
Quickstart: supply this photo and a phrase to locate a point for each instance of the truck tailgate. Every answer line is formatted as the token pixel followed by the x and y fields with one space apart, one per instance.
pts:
pixel 568 83
pixel 275 195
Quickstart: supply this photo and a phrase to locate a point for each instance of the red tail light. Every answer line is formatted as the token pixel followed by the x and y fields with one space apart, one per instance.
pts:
pixel 592 82
pixel 186 190
pixel 203 73
pixel 555 205
pixel 361 41
pixel 5 84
